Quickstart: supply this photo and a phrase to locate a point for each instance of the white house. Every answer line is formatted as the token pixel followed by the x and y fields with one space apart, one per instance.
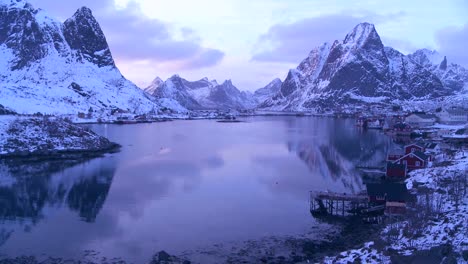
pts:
pixel 453 116
pixel 420 120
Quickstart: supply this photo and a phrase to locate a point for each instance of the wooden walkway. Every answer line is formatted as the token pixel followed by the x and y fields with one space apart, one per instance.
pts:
pixel 331 203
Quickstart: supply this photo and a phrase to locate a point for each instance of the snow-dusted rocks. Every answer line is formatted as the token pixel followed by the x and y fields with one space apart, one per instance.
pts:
pixel 202 94
pixel 48 137
pixel 155 84
pixel 62 68
pixel 268 91
pixel 453 76
pixel 360 70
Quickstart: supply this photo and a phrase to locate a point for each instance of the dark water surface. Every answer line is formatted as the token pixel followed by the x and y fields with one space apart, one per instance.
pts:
pixel 182 185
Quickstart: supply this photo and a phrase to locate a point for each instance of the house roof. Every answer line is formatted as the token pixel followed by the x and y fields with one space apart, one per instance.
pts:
pixel 414 144
pixel 430 145
pixel 418 154
pixel 393 191
pixel 421 155
pixel 391 165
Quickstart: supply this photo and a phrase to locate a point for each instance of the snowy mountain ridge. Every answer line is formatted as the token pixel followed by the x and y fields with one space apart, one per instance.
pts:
pixel 266 92
pixel 360 70
pixel 62 68
pixel 202 94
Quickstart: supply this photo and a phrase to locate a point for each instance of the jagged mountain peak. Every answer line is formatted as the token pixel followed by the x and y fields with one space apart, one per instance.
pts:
pixel 52 67
pixel 14 3
pixel 202 94
pixel 427 57
pixel 84 34
pixel 360 70
pixel 155 84
pixel 227 83
pixel 269 90
pixel 275 81
pixel 157 80
pixel 84 11
pixel 362 34
pixel 443 64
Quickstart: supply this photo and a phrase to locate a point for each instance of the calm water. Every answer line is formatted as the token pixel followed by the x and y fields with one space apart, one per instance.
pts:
pixel 182 185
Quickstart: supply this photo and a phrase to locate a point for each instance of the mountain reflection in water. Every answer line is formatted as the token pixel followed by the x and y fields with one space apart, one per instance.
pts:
pixel 183 185
pixel 27 188
pixel 331 149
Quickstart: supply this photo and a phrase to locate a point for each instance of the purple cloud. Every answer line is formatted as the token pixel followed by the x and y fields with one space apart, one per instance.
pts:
pixel 207 56
pixel 452 42
pixel 132 36
pixel 292 42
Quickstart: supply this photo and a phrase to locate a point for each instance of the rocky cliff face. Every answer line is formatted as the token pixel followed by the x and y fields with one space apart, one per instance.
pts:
pixel 360 70
pixel 52 67
pixel 84 36
pixel 202 94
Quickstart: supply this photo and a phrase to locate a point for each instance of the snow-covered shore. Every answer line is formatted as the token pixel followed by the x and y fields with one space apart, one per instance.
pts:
pixel 48 137
pixel 436 226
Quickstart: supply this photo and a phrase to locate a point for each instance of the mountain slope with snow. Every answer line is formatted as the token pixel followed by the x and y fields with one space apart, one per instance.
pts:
pixel 62 68
pixel 202 94
pixel 361 70
pixel 269 90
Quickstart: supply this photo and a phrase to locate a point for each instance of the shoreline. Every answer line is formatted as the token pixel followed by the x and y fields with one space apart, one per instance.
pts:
pixel 39 139
pixel 62 154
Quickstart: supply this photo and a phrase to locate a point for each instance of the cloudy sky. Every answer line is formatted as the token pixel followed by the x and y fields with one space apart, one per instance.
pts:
pixel 255 41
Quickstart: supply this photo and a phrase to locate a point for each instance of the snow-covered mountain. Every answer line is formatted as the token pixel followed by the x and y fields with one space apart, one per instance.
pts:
pixel 360 70
pixel 52 67
pixel 262 94
pixel 202 94
pixel 154 85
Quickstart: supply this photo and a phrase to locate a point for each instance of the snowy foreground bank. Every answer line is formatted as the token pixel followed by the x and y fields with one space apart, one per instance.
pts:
pixel 44 137
pixel 434 231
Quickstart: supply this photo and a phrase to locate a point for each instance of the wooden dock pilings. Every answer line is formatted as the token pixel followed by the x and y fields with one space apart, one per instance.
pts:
pixel 332 203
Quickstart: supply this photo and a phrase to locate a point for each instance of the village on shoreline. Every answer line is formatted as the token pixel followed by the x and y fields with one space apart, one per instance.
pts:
pixel 421 201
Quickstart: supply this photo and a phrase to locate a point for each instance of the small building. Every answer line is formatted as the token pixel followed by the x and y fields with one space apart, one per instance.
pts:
pixel 432 147
pixel 402 129
pixel 395 171
pixel 381 193
pixel 413 148
pixel 414 160
pixel 454 115
pixel 395 208
pixel 421 120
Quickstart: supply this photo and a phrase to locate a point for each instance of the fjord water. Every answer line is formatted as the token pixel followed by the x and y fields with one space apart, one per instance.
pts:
pixel 182 185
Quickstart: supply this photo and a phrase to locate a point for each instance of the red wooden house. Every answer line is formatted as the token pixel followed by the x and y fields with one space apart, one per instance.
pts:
pixel 413 148
pixel 414 160
pixel 395 171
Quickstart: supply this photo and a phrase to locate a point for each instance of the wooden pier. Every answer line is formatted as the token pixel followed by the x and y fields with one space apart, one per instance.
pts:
pixel 337 204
